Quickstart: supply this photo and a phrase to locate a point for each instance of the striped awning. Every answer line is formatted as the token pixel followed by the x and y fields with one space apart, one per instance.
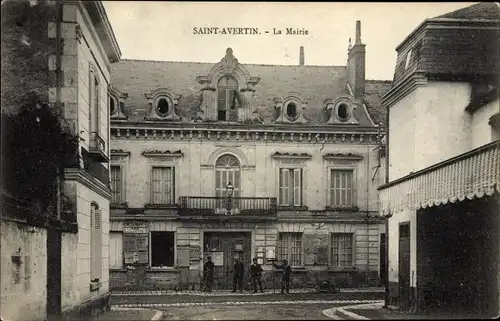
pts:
pixel 473 174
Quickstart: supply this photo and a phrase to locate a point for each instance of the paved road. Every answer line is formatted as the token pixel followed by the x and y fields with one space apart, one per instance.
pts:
pixel 170 299
pixel 248 312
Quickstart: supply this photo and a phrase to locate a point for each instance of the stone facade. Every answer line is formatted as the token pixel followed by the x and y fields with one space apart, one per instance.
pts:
pixel 72 47
pixel 278 134
pixel 440 129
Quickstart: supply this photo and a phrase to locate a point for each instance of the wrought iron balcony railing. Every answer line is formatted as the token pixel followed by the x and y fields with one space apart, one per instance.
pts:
pixel 213 205
pixel 97 146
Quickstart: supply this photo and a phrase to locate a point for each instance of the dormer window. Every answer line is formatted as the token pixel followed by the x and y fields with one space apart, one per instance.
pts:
pixel 162 107
pixel 408 59
pixel 227 99
pixel 116 103
pixel 292 111
pixel 112 107
pixel 343 112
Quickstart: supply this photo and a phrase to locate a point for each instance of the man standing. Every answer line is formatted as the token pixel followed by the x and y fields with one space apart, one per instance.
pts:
pixel 256 273
pixel 285 277
pixel 208 274
pixel 238 273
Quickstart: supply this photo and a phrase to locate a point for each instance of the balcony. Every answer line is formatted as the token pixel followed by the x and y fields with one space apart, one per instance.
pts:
pixel 97 148
pixel 224 206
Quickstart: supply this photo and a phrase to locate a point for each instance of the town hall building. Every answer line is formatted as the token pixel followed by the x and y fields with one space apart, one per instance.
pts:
pixel 242 160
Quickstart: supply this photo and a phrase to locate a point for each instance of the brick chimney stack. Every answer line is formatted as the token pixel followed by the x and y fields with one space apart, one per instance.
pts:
pixel 301 57
pixel 356 64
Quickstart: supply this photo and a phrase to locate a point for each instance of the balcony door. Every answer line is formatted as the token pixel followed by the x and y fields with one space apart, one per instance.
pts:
pixel 227 170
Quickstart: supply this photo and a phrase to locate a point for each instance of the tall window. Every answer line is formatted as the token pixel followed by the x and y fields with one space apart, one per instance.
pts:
pixel 162 249
pixel 290 188
pixel 341 249
pixel 341 188
pixel 227 99
pixel 95 242
pixel 116 184
pixel 94 101
pixel 115 250
pixel 290 248
pixel 163 185
pixel 227 170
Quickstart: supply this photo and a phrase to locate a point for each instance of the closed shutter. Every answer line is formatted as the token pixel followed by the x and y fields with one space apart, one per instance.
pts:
pixel 116 250
pixel 96 242
pixel 297 187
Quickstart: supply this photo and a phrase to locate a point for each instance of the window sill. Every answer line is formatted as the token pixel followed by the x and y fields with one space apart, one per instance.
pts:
pixel 160 206
pixel 95 285
pixel 118 270
pixel 293 208
pixel 161 269
pixel 342 209
pixel 341 268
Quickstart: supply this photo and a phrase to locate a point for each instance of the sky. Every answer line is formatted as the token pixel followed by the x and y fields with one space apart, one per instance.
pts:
pixel 164 30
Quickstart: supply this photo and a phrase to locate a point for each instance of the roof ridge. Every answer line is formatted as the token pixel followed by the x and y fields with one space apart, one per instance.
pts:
pixel 213 63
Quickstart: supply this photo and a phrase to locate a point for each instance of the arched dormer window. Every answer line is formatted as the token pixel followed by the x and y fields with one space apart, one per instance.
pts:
pixel 341 111
pixel 290 108
pixel 162 105
pixel 116 103
pixel 227 99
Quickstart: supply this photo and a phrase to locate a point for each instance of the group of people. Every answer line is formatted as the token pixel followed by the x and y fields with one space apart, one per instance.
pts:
pixel 239 273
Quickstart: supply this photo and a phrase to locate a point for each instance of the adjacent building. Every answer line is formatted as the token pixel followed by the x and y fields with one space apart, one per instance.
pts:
pixel 62 51
pixel 441 197
pixel 233 160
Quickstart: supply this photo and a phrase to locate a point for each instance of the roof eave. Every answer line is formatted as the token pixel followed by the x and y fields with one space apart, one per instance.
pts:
pixel 105 31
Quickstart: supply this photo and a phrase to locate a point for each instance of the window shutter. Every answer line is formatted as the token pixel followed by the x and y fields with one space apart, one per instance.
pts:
pixel 297 183
pixel 285 174
pixel 156 188
pixel 221 99
pixel 98 243
pixel 116 250
pixel 167 185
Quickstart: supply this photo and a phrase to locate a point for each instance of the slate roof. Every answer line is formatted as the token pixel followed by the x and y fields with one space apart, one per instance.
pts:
pixel 483 10
pixel 315 83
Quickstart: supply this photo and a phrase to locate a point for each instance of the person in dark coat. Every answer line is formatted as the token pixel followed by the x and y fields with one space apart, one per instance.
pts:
pixel 285 277
pixel 208 273
pixel 238 273
pixel 256 273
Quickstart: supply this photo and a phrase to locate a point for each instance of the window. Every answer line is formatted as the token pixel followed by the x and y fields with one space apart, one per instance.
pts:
pixel 227 99
pixel 116 184
pixel 162 249
pixel 341 188
pixel 162 107
pixel 290 187
pixel 163 185
pixel 290 248
pixel 291 111
pixel 341 247
pixel 112 107
pixel 227 170
pixel 408 58
pixel 115 250
pixel 95 242
pixel 343 112
pixel 94 101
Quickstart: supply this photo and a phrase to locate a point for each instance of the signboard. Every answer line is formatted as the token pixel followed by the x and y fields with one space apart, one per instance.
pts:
pixel 217 258
pixel 136 248
pixel 138 227
pixel 316 248
pixel 194 254
pixel 271 252
pixel 183 253
pixel 231 225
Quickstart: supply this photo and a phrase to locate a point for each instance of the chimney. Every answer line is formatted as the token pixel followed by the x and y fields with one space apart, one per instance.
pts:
pixel 356 65
pixel 301 57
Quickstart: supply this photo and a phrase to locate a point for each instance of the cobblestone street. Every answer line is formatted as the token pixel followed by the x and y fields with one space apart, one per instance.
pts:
pixel 249 312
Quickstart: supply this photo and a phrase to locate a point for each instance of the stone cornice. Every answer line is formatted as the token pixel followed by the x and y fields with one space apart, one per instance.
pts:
pixel 279 155
pixel 84 178
pixel 166 153
pixel 405 87
pixel 349 156
pixel 252 135
pixel 120 152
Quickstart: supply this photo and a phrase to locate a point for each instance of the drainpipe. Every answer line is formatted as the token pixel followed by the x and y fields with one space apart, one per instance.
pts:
pixel 58 96
pixel 367 212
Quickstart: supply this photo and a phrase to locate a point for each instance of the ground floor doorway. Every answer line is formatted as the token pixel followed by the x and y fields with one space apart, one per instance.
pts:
pixel 224 248
pixel 457 257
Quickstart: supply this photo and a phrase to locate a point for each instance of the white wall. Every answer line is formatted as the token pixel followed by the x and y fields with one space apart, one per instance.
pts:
pixel 482 132
pixel 27 298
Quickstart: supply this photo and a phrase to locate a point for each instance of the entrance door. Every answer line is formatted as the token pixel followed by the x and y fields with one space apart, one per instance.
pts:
pixel 404 266
pixel 224 247
pixel 53 272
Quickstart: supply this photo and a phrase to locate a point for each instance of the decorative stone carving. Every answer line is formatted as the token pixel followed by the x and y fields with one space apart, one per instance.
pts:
pixel 163 156
pixel 291 158
pixel 341 111
pixel 154 99
pixel 342 159
pixel 290 108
